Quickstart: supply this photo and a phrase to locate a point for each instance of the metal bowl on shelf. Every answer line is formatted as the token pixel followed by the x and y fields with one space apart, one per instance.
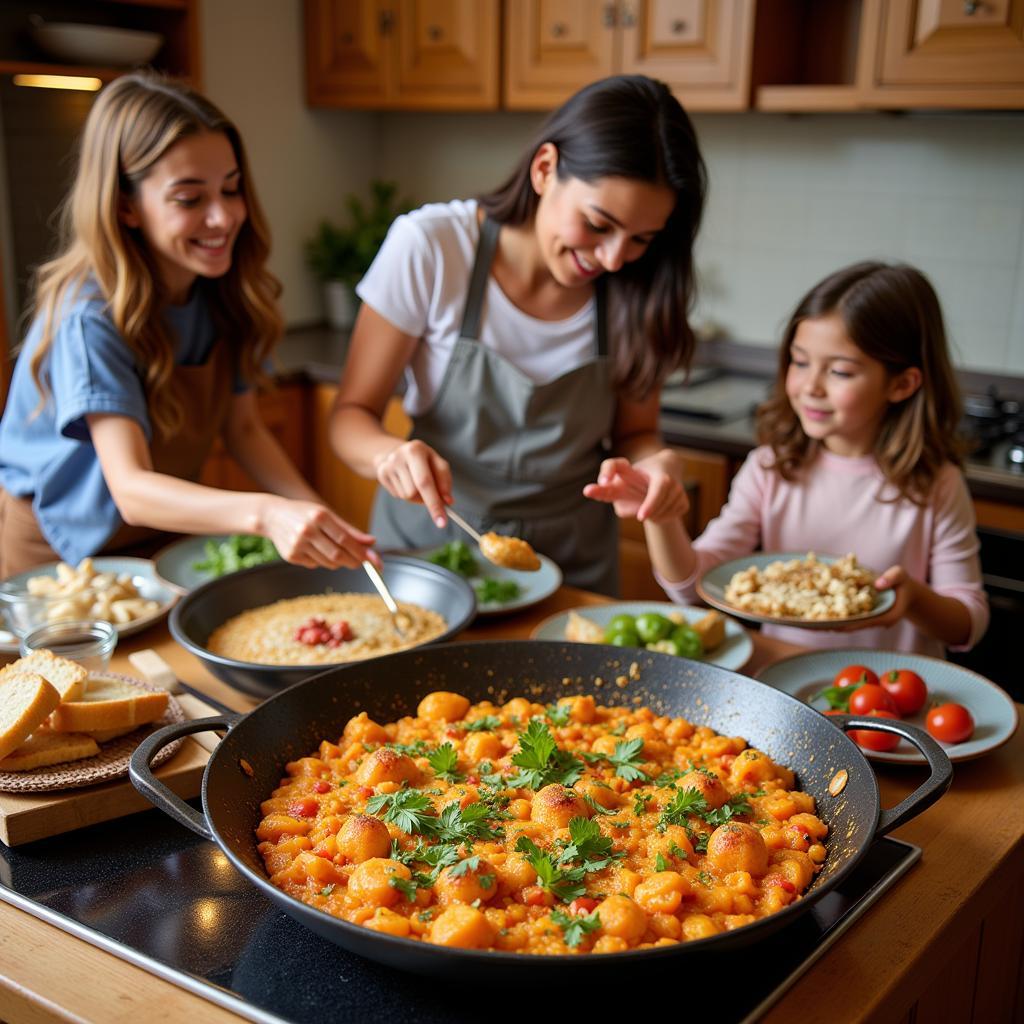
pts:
pixel 410 580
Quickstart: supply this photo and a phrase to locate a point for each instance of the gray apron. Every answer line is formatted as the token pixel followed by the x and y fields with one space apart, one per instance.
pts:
pixel 520 452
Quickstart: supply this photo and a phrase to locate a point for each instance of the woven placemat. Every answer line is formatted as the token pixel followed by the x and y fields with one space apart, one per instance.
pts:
pixel 110 763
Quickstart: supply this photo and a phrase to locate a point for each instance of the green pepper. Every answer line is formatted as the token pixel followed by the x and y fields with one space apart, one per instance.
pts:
pixel 688 641
pixel 653 627
pixel 623 638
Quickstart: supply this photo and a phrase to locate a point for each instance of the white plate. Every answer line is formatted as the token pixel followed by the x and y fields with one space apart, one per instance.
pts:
pixel 994 713
pixel 175 564
pixel 142 574
pixel 713 583
pixel 733 653
pixel 534 586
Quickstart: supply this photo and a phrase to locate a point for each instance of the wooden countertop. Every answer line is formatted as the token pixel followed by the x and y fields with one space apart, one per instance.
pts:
pixel 945 945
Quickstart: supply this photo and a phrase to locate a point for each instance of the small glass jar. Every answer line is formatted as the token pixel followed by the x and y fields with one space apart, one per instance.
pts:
pixel 89 642
pixel 25 611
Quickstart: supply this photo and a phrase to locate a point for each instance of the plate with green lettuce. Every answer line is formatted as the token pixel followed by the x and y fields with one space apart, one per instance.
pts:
pixel 192 561
pixel 498 590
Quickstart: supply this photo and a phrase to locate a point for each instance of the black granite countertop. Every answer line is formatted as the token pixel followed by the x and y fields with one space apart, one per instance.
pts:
pixel 317 354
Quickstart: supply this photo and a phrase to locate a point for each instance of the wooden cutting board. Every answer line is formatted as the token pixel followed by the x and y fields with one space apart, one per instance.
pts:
pixel 25 817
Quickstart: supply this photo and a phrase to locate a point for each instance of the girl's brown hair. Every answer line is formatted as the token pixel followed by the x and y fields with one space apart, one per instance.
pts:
pixel 629 126
pixel 133 123
pixel 892 314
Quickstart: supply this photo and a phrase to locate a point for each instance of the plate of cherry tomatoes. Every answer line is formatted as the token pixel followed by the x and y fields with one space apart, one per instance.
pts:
pixel 967 713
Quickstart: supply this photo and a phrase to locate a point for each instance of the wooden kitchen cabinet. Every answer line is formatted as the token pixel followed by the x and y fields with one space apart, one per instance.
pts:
pixel 878 54
pixel 402 54
pixel 700 48
pixel 284 410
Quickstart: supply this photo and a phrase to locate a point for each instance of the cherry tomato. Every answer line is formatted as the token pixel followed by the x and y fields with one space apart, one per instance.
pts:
pixel 871 740
pixel 854 675
pixel 866 698
pixel 950 723
pixel 906 688
pixel 583 905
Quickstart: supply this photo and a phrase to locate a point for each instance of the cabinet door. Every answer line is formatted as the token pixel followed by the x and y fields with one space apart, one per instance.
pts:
pixel 554 47
pixel 447 55
pixel 958 52
pixel 348 52
pixel 701 48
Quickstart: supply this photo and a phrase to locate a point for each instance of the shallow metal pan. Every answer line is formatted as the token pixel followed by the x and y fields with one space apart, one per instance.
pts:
pixel 293 723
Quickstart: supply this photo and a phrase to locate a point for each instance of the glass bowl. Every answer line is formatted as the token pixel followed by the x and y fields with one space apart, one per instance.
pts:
pixel 24 611
pixel 89 642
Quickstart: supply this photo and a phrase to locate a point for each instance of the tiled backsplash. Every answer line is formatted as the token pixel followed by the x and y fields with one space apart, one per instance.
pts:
pixel 794 198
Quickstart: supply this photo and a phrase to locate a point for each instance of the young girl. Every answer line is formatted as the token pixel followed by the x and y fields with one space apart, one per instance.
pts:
pixel 858 454
pixel 150 327
pixel 534 327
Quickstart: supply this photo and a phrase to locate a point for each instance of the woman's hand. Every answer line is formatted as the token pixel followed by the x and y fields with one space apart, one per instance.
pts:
pixel 650 489
pixel 414 472
pixel 310 534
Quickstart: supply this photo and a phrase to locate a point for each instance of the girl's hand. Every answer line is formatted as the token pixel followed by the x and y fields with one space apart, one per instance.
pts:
pixel 414 472
pixel 649 490
pixel 310 534
pixel 904 588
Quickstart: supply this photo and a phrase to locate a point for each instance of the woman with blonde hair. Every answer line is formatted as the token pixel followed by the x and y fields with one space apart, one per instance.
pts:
pixel 150 328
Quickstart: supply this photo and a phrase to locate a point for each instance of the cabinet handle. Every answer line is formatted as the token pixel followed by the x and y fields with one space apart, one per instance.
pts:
pixel 679 25
pixel 609 17
pixel 628 16
pixel 559 29
pixel 434 32
pixel 971 7
pixel 387 21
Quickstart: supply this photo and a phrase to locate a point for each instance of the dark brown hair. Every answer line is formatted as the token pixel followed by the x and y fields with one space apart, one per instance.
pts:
pixel 892 314
pixel 133 123
pixel 629 126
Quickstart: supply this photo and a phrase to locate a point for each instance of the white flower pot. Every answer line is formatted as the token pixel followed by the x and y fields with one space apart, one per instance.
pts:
pixel 342 305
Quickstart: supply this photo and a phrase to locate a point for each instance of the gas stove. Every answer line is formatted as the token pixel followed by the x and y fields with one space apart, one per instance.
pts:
pixel 993 427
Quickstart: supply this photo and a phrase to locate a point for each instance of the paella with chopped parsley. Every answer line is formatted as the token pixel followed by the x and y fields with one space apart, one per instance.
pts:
pixel 568 828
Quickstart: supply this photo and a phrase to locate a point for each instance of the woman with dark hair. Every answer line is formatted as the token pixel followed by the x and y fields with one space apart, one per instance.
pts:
pixel 534 327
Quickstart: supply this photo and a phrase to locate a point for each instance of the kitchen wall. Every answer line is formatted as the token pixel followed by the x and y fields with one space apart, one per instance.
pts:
pixel 792 198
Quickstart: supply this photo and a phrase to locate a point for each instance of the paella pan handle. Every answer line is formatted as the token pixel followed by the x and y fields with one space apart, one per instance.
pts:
pixel 940 768
pixel 143 779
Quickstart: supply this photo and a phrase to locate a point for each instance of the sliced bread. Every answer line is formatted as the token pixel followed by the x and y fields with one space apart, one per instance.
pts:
pixel 45 748
pixel 109 703
pixel 25 701
pixel 67 677
pixel 105 735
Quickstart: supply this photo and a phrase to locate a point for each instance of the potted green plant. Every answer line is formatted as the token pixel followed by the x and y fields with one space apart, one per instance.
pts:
pixel 339 256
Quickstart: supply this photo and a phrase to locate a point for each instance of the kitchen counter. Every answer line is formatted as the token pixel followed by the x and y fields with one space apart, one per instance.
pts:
pixel 317 355
pixel 945 944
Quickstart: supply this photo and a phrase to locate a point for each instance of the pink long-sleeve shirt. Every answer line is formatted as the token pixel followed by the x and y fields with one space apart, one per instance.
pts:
pixel 835 507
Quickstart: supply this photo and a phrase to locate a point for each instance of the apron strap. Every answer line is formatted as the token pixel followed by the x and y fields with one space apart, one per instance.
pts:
pixel 478 279
pixel 478 290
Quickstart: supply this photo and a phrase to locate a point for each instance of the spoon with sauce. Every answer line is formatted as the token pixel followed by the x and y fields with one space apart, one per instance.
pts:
pixel 508 552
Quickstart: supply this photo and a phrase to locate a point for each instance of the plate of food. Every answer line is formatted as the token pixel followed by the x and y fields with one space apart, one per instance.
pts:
pixel 796 589
pixel 498 590
pixel 124 591
pixel 924 691
pixel 655 626
pixel 192 561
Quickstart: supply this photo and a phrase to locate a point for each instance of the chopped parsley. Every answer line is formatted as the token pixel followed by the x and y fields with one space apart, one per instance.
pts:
pixel 540 760
pixel 490 590
pixel 418 748
pixel 559 714
pixel 596 807
pixel 464 865
pixel 640 802
pixel 564 884
pixel 618 729
pixel 327 890
pixel 456 824
pixel 587 845
pixel 445 760
pixel 486 724
pixel 575 926
pixel 660 864
pixel 409 809
pixel 624 758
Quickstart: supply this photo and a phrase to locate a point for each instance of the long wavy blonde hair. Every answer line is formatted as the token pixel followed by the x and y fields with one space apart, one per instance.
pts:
pixel 892 314
pixel 133 123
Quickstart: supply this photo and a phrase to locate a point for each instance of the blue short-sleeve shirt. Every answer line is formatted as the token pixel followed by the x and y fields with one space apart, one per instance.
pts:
pixel 47 454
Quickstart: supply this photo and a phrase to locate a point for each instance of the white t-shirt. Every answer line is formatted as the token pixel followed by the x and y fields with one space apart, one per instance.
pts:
pixel 419 283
